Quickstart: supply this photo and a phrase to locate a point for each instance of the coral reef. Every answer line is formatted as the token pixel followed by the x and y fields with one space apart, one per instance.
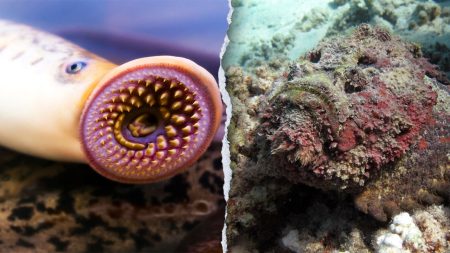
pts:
pixel 257 38
pixel 424 22
pixel 402 230
pixel 426 231
pixel 361 119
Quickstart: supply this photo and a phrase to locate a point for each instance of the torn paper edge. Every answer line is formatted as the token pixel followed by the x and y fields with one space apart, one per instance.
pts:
pixel 225 144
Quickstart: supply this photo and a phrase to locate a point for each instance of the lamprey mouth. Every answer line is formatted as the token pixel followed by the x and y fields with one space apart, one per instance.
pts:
pixel 150 119
pixel 143 125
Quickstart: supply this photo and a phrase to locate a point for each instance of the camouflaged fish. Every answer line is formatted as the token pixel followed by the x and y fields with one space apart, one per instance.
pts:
pixel 366 115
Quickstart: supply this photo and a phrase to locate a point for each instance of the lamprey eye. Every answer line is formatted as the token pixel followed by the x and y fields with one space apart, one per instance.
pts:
pixel 150 119
pixel 75 67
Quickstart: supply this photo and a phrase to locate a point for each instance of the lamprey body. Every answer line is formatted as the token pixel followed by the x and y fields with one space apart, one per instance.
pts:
pixel 140 122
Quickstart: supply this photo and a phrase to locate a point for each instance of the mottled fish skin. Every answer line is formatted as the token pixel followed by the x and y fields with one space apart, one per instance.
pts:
pixel 48 206
pixel 422 177
pixel 364 114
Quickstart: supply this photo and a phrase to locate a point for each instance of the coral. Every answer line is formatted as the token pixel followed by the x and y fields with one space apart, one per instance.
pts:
pixel 263 51
pixel 331 230
pixel 336 3
pixel 425 13
pixel 403 231
pixel 424 22
pixel 317 17
pixel 403 225
pixel 357 111
pixel 389 243
pixel 425 231
pixel 434 223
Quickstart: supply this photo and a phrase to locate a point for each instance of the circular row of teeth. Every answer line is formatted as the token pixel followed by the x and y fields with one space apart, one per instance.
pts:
pixel 177 107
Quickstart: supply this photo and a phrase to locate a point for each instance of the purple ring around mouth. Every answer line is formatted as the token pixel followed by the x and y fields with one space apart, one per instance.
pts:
pixel 148 123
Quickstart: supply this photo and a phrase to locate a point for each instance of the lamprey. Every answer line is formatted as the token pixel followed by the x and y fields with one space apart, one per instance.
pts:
pixel 139 122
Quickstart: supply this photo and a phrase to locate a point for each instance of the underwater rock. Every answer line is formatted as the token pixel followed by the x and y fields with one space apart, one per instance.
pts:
pixel 424 22
pixel 364 114
pixel 292 31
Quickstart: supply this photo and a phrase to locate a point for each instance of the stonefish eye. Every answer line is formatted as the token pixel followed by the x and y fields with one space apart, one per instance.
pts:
pixel 75 67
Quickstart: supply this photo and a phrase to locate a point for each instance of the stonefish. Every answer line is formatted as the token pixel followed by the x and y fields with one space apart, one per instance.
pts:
pixel 364 114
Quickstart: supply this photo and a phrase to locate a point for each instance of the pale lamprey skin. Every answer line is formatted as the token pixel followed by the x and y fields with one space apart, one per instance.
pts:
pixel 41 103
pixel 55 95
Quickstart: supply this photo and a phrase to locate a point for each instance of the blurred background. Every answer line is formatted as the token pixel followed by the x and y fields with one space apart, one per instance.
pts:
pixel 124 30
